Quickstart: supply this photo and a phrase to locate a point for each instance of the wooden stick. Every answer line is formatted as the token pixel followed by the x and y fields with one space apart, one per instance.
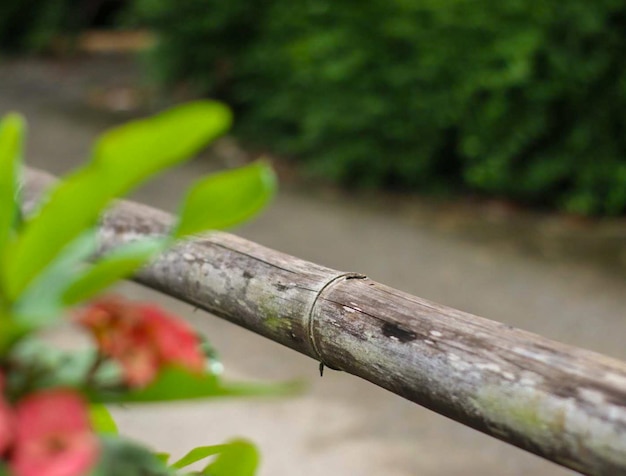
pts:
pixel 560 402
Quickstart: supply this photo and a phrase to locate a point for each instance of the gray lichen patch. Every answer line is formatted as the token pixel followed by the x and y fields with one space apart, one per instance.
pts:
pixel 553 424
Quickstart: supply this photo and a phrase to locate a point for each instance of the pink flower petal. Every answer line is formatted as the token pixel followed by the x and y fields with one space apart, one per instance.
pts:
pixel 142 338
pixel 175 340
pixel 53 435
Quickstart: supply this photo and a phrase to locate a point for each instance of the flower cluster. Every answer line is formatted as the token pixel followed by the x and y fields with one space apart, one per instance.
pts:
pixel 141 338
pixel 48 433
pixel 47 427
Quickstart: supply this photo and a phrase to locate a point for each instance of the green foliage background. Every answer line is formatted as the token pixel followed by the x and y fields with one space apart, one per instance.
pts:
pixel 521 99
pixel 30 25
pixel 510 98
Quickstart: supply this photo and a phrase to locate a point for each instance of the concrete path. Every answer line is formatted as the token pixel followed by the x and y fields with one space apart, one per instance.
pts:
pixel 341 425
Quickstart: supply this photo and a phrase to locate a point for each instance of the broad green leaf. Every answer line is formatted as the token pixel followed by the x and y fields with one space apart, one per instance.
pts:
pixel 10 332
pixel 72 207
pixel 12 130
pixel 102 420
pixel 174 383
pixel 124 458
pixel 226 198
pixel 42 301
pixel 236 458
pixel 197 454
pixel 142 148
pixel 123 158
pixel 163 457
pixel 117 265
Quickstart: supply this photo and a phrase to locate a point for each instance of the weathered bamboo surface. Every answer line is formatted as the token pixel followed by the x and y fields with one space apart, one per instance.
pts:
pixel 560 402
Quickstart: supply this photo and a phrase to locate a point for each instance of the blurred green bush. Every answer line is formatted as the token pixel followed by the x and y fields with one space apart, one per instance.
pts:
pixel 29 25
pixel 523 99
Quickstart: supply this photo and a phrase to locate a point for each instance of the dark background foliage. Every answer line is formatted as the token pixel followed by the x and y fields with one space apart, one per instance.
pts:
pixel 516 99
pixel 31 26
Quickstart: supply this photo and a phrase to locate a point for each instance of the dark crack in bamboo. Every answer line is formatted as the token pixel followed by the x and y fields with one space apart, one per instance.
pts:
pixel 557 401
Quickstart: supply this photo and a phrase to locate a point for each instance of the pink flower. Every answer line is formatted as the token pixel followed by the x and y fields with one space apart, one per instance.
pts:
pixel 6 420
pixel 53 435
pixel 175 341
pixel 142 338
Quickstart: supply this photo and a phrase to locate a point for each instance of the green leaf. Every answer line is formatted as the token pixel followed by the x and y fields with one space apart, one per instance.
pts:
pixel 123 158
pixel 10 332
pixel 142 148
pixel 72 207
pixel 122 457
pixel 174 383
pixel 226 198
pixel 102 420
pixel 236 458
pixel 42 301
pixel 12 130
pixel 197 454
pixel 163 457
pixel 118 264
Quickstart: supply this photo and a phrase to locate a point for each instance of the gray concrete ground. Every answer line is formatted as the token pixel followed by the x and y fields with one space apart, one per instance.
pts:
pixel 341 425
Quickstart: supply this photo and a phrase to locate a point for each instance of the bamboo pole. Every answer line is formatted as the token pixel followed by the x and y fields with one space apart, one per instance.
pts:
pixel 565 404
